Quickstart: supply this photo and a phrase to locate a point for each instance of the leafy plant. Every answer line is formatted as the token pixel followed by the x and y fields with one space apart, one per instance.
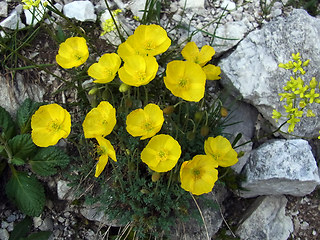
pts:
pixel 19 152
pixel 21 230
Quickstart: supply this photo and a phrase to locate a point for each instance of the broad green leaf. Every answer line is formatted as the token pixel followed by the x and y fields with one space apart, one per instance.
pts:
pixel 17 161
pixel 21 229
pixel 39 236
pixel 22 146
pixel 24 114
pixel 27 193
pixel 7 125
pixel 47 159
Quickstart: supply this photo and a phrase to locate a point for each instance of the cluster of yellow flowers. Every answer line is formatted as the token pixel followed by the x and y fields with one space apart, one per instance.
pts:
pixel 298 95
pixel 51 122
pixel 30 3
pixel 108 25
pixel 185 79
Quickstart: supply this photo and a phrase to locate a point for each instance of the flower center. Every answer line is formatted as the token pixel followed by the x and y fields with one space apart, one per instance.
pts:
pixel 78 57
pixel 183 82
pixel 148 126
pixel 162 155
pixel 196 172
pixel 54 126
pixel 215 156
pixel 141 76
pixel 149 46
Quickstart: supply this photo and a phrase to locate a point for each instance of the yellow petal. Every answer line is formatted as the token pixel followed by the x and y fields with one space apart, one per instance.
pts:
pixel 103 160
pixel 212 72
pixel 190 51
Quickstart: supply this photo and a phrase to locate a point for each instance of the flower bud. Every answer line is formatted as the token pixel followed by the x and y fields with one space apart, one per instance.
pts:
pixel 155 176
pixel 168 110
pixel 93 91
pixel 204 131
pixel 191 135
pixel 144 191
pixel 198 116
pixel 124 87
pixel 223 112
pixel 241 154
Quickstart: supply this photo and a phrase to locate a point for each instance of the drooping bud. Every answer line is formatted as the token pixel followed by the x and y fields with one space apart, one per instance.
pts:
pixel 93 91
pixel 204 131
pixel 168 110
pixel 124 87
pixel 155 176
pixel 223 112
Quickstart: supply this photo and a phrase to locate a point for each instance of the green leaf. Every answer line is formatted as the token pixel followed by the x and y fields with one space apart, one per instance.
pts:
pixel 21 229
pixel 24 114
pixel 47 159
pixel 39 236
pixel 7 125
pixel 22 146
pixel 27 193
pixel 17 161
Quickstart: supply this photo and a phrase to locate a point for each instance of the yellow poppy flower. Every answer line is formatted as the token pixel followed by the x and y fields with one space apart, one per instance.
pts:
pixel 100 121
pixel 49 124
pixel 73 52
pixel 106 151
pixel 145 122
pixel 185 79
pixel 212 72
pixel 191 53
pixel 129 48
pixel 106 69
pixel 138 70
pixel 161 153
pixel 199 175
pixel 220 149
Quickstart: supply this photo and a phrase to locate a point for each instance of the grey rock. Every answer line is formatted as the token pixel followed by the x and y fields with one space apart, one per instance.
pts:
pixel 11 218
pixel 37 221
pixel 193 230
pixel 13 21
pixel 3 9
pixel 4 235
pixel 252 69
pixel 192 3
pixel 64 191
pixel 235 31
pixel 12 95
pixel 281 167
pixel 137 7
pixel 266 220
pixel 47 225
pixel 228 5
pixel 80 10
pixel 95 213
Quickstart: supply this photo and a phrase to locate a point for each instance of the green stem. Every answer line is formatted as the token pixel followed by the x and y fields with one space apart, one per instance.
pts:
pixel 114 21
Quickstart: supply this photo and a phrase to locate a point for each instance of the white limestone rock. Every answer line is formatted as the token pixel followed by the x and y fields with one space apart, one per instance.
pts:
pixel 137 7
pixel 80 10
pixel 3 9
pixel 266 220
pixel 94 213
pixel 64 192
pixel 231 30
pixel 13 21
pixel 252 69
pixel 281 167
pixel 228 5
pixel 191 3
